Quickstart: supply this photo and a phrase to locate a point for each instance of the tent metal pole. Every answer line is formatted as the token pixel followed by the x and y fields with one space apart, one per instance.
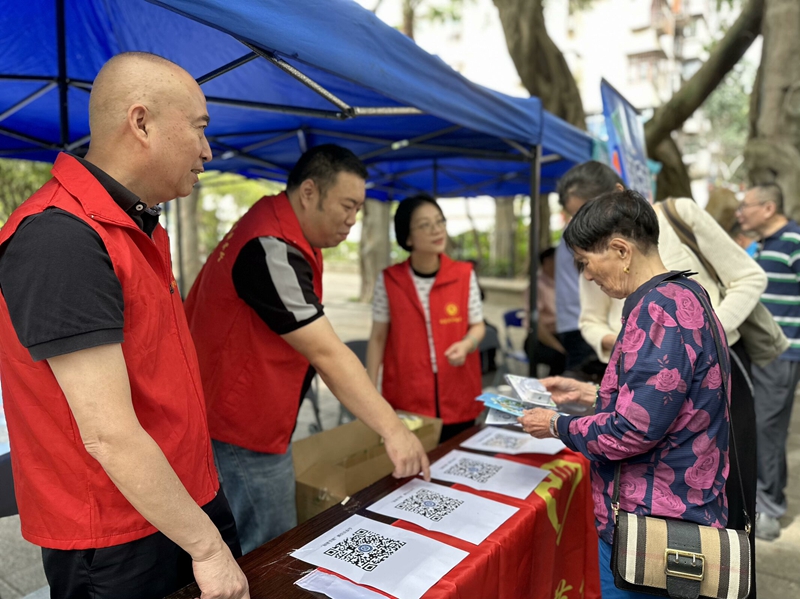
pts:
pixel 226 68
pixel 302 78
pixel 280 108
pixel 63 87
pixel 24 102
pixel 28 139
pixel 533 251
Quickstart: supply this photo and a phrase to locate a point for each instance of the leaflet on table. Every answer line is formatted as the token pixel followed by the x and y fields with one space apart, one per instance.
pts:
pixel 442 509
pixel 396 561
pixel 334 587
pixel 498 418
pixel 488 474
pixel 505 404
pixel 530 390
pixel 511 442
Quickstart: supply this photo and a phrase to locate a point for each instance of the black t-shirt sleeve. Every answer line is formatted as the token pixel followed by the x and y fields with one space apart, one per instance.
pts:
pixel 276 280
pixel 60 286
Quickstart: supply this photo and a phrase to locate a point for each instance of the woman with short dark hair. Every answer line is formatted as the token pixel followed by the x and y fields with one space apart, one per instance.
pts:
pixel 427 323
pixel 660 409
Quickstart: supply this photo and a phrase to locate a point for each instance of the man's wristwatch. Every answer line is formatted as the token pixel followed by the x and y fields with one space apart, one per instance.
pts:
pixel 553 429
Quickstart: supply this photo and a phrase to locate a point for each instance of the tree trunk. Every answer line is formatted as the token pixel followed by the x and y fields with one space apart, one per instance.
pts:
pixel 503 243
pixel 673 180
pixel 190 239
pixel 409 16
pixel 374 250
pixel 725 54
pixel 541 65
pixel 773 155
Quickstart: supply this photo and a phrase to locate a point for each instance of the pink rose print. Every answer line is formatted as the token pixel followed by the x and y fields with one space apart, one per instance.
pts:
pixel 598 486
pixel 691 353
pixel 660 316
pixel 657 334
pixel 695 496
pixel 632 486
pixel 637 416
pixel 704 471
pixel 665 502
pixel 713 379
pixel 633 339
pixel 691 419
pixel 616 449
pixel 689 312
pixel 582 425
pixel 668 380
pixel 608 385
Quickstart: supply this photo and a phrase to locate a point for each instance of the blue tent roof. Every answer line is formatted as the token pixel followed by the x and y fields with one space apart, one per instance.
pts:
pixel 306 72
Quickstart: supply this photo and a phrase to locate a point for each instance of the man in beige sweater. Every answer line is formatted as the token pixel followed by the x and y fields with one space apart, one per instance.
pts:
pixel 744 282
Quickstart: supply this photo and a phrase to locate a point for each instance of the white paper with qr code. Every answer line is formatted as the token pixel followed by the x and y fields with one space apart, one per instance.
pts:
pixel 511 442
pixel 442 509
pixel 396 561
pixel 488 474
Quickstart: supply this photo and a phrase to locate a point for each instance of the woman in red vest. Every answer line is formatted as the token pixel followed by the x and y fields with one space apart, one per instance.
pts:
pixel 427 324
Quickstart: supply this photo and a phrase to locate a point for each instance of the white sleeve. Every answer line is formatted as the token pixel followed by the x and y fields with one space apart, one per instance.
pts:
pixel 743 278
pixel 475 306
pixel 380 301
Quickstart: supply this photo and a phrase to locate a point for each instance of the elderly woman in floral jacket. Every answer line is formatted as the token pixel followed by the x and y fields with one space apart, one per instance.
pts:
pixel 660 409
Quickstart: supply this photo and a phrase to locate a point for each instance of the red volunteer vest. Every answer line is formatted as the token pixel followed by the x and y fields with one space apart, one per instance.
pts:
pixel 408 379
pixel 251 376
pixel 66 500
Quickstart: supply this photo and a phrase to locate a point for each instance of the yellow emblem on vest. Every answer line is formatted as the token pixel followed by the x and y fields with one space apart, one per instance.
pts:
pixel 451 309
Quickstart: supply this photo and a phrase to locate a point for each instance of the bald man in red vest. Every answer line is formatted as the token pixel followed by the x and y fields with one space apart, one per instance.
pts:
pixel 106 419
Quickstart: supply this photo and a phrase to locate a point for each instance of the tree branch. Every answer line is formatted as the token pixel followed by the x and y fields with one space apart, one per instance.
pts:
pixel 730 49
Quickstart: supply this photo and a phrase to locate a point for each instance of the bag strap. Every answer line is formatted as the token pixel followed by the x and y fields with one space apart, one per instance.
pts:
pixel 687 236
pixel 720 352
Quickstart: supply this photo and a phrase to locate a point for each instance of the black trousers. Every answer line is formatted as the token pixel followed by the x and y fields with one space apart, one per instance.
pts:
pixel 743 416
pixel 148 568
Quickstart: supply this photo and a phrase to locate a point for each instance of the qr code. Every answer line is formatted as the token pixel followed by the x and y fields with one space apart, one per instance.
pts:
pixel 365 549
pixel 480 472
pixel 505 442
pixel 429 504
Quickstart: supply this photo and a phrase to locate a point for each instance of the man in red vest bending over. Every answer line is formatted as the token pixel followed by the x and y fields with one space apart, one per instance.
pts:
pixel 104 402
pixel 257 319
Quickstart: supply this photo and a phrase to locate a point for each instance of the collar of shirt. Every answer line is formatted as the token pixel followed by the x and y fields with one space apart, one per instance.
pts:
pixel 145 218
pixel 637 296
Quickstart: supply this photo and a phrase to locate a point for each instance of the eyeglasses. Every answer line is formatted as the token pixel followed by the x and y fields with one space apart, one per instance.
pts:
pixel 428 226
pixel 742 206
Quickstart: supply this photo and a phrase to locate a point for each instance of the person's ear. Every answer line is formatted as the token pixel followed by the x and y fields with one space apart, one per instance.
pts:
pixel 308 193
pixel 139 120
pixel 620 248
pixel 619 187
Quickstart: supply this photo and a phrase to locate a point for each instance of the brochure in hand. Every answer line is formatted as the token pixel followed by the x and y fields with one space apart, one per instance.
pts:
pixel 505 404
pixel 530 390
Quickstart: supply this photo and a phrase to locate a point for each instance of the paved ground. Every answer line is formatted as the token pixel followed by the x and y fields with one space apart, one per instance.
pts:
pixel 778 563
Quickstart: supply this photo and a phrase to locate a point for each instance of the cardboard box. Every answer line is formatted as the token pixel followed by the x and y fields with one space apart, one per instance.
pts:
pixel 337 463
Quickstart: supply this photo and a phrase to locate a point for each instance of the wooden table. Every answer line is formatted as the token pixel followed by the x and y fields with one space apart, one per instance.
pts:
pixel 530 545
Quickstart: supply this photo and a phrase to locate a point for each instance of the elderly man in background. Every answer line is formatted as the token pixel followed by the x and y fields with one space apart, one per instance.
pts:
pixel 762 211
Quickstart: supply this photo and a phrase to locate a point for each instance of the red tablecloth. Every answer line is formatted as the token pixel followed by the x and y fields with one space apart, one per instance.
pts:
pixel 547 550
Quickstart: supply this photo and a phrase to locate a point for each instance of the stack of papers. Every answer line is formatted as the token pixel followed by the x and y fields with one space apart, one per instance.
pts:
pixel 511 442
pixel 530 390
pixel 488 474
pixel 498 418
pixel 509 405
pixel 396 561
pixel 443 509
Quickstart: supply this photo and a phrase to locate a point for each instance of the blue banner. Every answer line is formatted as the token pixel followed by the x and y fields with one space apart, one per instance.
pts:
pixel 626 141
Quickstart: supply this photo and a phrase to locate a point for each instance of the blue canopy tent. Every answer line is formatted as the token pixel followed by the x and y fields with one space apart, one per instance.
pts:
pixel 281 77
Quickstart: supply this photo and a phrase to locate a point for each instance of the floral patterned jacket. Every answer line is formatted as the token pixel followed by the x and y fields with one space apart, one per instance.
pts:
pixel 661 410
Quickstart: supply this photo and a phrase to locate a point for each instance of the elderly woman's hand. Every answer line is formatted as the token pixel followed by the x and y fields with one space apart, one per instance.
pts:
pixel 537 422
pixel 570 391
